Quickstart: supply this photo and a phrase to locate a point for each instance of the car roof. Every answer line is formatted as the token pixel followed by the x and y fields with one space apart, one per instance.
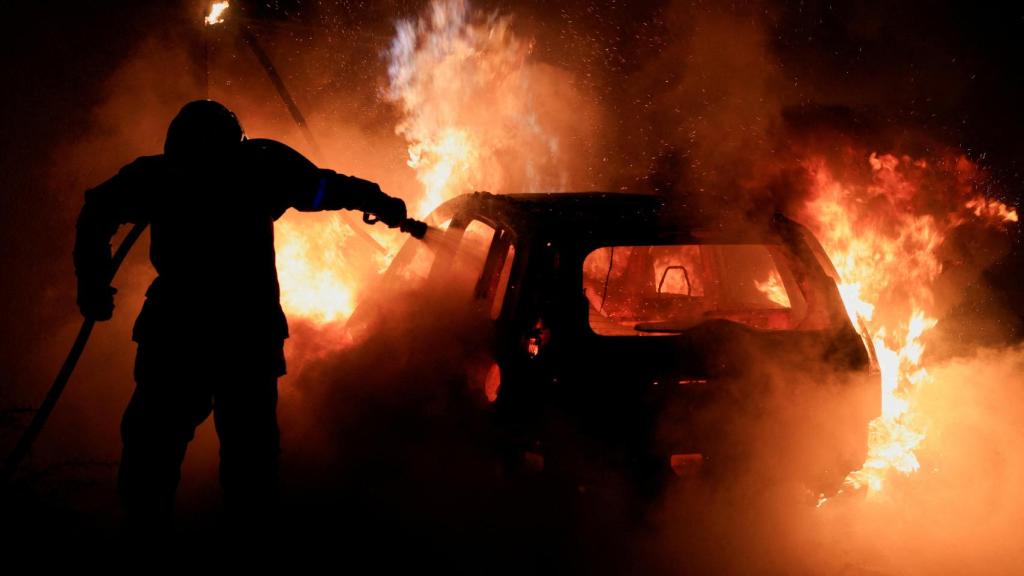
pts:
pixel 592 214
pixel 572 210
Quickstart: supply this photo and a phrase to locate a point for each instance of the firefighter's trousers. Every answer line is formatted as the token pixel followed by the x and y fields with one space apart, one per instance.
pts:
pixel 173 395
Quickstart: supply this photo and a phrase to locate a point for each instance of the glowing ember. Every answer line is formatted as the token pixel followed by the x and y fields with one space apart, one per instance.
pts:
pixel 216 15
pixel 464 84
pixel 882 235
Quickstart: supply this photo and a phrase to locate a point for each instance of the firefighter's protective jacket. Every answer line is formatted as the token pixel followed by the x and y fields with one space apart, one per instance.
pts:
pixel 212 237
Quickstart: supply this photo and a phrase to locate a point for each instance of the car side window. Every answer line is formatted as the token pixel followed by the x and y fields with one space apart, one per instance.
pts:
pixel 507 255
pixel 493 281
pixel 480 267
pixel 470 256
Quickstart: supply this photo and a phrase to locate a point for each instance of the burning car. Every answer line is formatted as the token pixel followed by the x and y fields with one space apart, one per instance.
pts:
pixel 621 334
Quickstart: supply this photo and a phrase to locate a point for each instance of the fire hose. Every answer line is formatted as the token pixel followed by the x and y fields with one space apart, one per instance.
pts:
pixel 28 437
pixel 414 228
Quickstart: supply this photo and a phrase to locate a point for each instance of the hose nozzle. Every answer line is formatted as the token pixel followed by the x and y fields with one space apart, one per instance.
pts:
pixel 410 226
pixel 414 228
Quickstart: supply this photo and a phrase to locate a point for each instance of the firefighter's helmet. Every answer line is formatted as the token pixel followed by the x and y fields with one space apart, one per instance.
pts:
pixel 202 129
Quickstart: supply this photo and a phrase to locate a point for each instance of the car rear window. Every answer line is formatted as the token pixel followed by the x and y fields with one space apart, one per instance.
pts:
pixel 668 289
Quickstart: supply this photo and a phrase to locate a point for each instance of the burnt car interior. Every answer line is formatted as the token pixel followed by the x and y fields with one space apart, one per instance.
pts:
pixel 666 289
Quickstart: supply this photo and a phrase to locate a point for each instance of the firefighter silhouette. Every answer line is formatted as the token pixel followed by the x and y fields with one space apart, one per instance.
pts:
pixel 211 332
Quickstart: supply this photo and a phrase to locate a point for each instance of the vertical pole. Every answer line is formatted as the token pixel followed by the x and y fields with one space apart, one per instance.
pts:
pixel 206 61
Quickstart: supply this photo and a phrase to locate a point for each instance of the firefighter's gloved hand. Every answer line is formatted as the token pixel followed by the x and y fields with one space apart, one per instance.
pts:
pixel 96 302
pixel 391 211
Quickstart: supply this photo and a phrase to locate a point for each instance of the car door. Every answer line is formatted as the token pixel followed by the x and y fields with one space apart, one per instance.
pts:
pixel 476 265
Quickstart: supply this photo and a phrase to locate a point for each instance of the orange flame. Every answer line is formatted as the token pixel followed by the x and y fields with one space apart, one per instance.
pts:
pixel 216 15
pixel 882 237
pixel 986 208
pixel 316 283
pixel 773 289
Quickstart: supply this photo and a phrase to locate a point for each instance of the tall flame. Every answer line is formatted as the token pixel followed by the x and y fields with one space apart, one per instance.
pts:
pixel 464 83
pixel 882 235
pixel 465 87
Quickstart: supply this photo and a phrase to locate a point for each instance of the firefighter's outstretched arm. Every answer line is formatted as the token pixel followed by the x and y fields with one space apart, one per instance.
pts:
pixel 106 207
pixel 336 191
pixel 309 188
